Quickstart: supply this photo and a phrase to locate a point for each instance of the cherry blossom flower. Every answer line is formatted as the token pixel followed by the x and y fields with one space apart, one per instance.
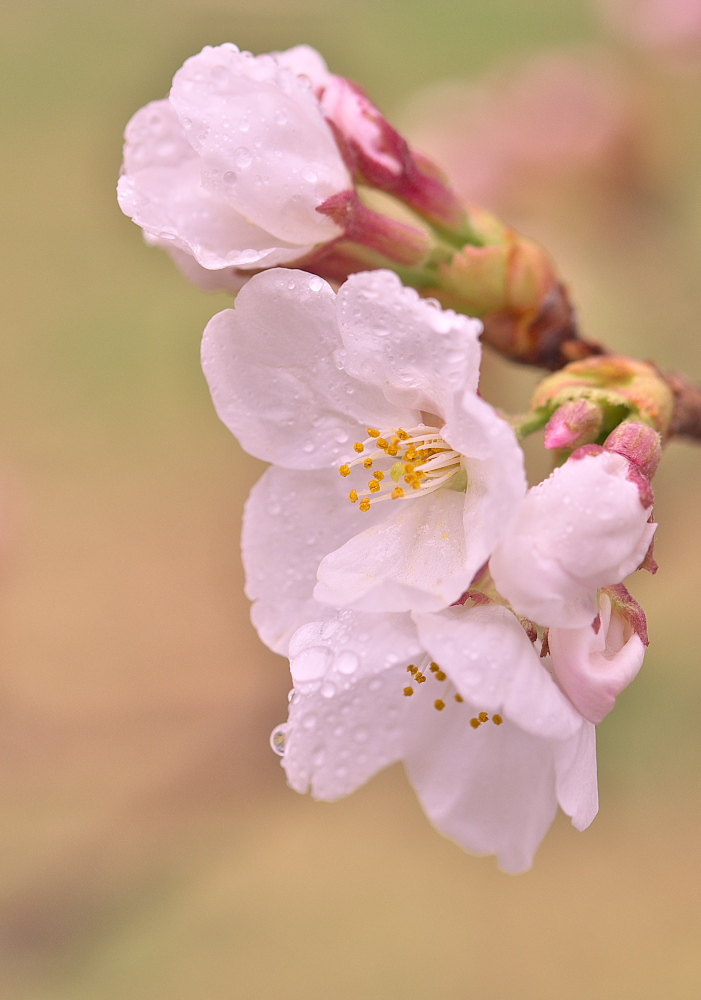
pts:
pixel 228 171
pixel 381 386
pixel 585 527
pixel 489 741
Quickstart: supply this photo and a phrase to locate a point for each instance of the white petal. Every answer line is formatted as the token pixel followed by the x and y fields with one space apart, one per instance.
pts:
pixel 226 279
pixel 490 659
pixel 495 472
pixel 594 667
pixel 575 777
pixel 274 378
pixel 414 559
pixel 581 529
pixel 291 521
pixel 417 353
pixel 349 675
pixel 161 191
pixel 264 145
pixel 334 745
pixel 492 790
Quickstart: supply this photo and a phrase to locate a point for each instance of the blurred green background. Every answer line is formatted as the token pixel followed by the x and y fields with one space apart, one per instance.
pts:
pixel 150 848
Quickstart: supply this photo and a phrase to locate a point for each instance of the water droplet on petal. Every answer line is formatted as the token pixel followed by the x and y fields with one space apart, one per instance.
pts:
pixel 328 690
pixel 346 662
pixel 278 738
pixel 291 695
pixel 229 177
pixel 243 157
pixel 316 283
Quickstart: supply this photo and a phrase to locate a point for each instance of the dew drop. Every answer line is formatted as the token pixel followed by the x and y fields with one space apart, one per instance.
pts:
pixel 281 117
pixel 243 157
pixel 278 738
pixel 291 695
pixel 316 283
pixel 308 446
pixel 340 436
pixel 346 662
pixel 328 690
pixel 229 177
pixel 310 175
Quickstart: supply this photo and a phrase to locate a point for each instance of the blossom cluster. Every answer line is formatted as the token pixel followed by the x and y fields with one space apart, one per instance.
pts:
pixel 434 609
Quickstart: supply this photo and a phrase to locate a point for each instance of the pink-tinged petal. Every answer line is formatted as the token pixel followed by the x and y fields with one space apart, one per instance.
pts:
pixel 305 61
pixel 344 725
pixel 491 661
pixel 575 777
pixel 274 376
pixel 161 190
pixel 418 354
pixel 334 745
pixel 414 559
pixel 594 667
pixel 581 529
pixel 492 790
pixel 264 145
pixel 225 279
pixel 291 521
pixel 496 477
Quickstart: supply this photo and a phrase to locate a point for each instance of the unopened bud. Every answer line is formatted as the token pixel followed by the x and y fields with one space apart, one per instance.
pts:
pixel 621 387
pixel 575 423
pixel 639 443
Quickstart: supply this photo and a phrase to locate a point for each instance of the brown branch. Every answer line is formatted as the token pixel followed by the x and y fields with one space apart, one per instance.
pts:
pixel 686 421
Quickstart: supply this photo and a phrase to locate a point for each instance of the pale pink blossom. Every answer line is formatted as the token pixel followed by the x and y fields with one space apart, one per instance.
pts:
pixel 231 168
pixel 490 743
pixel 585 527
pixel 299 374
pixel 671 28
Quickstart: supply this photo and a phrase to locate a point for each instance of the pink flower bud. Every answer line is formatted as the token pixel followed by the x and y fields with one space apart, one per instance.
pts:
pixel 639 443
pixel 575 423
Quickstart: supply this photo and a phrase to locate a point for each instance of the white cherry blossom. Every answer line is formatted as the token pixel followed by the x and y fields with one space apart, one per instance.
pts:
pixel 490 743
pixel 299 374
pixel 228 171
pixel 585 527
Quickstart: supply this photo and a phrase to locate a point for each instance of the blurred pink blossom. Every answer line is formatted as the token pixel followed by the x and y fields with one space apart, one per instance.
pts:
pixel 668 27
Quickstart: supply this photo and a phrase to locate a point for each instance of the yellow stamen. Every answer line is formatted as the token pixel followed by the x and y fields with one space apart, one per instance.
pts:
pixel 365 503
pixel 398 493
pixel 382 443
pixel 483 717
pixel 379 475
pixel 401 434
pixel 368 463
pixel 353 496
pixel 439 704
pixel 475 723
pixel 374 486
pixel 408 691
pixel 459 697
pixel 345 470
pixel 359 446
pixel 392 450
pixel 373 432
pixel 497 720
pixel 440 676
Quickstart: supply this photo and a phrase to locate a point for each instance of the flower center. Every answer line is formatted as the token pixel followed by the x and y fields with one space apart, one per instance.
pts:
pixel 423 462
pixel 419 675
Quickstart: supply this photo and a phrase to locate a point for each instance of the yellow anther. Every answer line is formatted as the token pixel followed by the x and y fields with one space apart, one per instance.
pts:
pixel 483 717
pixel 402 434
pixel 379 475
pixel 416 485
pixel 440 676
pixel 439 704
pixel 359 446
pixel 398 493
pixel 408 691
pixel 345 470
pixel 353 496
pixel 392 450
pixel 475 723
pixel 365 504
pixel 434 667
pixel 409 468
pixel 374 486
pixel 420 678
pixel 373 432
pixel 459 697
pixel 368 463
pixel 497 720
pixel 411 454
pixel 382 443
pixel 411 669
